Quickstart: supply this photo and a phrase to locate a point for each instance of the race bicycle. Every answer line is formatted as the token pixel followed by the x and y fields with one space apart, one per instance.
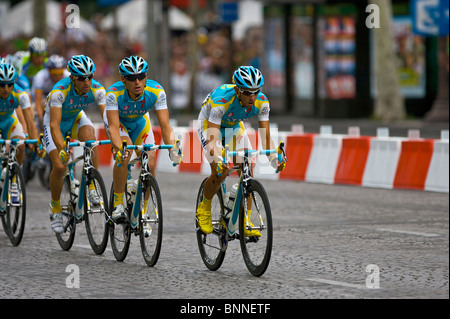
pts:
pixel 13 199
pixel 144 211
pixel 243 214
pixel 76 203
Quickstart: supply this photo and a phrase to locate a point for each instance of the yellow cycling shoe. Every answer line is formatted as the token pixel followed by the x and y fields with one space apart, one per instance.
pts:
pixel 204 218
pixel 250 232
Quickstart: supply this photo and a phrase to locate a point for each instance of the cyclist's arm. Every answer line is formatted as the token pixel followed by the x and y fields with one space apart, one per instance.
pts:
pixel 166 130
pixel 55 127
pixel 266 140
pixel 114 123
pixel 212 139
pixel 31 126
pixel 38 97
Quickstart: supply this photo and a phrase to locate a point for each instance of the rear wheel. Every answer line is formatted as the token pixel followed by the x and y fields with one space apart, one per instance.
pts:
pixel 212 246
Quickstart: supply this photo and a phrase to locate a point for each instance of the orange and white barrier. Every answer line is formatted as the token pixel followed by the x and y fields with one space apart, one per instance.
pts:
pixel 381 161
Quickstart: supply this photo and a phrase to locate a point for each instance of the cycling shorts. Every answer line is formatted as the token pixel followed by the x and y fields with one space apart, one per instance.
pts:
pixel 139 131
pixel 68 128
pixel 10 127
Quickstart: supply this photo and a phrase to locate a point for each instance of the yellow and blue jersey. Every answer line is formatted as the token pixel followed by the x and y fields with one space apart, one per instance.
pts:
pixel 18 97
pixel 118 99
pixel 222 107
pixel 65 96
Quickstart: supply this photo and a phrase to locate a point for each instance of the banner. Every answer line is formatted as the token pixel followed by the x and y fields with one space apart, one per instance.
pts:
pixel 430 17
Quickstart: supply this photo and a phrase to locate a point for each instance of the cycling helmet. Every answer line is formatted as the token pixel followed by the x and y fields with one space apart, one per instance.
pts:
pixel 37 45
pixel 133 65
pixel 248 77
pixel 7 73
pixel 56 62
pixel 81 65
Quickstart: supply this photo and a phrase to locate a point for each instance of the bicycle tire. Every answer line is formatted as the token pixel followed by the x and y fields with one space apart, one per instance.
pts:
pixel 151 243
pixel 120 234
pixel 14 218
pixel 257 250
pixel 96 219
pixel 68 202
pixel 212 246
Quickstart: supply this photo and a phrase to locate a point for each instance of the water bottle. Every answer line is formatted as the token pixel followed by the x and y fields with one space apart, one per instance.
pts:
pixel 131 189
pixel 232 196
pixel 74 187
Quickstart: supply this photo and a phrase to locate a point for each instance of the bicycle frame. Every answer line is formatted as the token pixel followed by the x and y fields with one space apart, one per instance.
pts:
pixel 143 173
pixel 10 157
pixel 243 188
pixel 88 146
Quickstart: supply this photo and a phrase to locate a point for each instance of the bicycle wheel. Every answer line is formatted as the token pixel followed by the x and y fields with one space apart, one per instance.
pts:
pixel 68 202
pixel 256 250
pixel 150 220
pixel 15 213
pixel 120 234
pixel 96 218
pixel 212 246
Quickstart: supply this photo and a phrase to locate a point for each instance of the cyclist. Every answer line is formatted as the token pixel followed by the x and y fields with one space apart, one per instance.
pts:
pixel 34 62
pixel 54 71
pixel 220 122
pixel 11 97
pixel 64 116
pixel 126 118
pixel 16 61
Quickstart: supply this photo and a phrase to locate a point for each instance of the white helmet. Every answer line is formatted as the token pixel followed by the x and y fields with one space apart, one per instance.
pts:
pixel 37 45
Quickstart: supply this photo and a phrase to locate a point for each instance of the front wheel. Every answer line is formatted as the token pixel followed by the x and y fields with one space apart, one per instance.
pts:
pixel 96 215
pixel 255 229
pixel 150 220
pixel 14 218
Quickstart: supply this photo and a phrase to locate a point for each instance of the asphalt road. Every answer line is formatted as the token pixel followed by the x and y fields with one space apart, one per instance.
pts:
pixel 330 242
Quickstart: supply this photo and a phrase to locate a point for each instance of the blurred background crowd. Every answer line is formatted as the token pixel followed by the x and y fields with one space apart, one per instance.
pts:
pixel 318 56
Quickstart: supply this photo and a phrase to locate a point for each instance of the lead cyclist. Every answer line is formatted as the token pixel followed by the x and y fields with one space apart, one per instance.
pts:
pixel 220 123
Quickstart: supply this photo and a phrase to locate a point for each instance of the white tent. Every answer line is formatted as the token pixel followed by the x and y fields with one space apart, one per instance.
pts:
pixel 132 19
pixel 19 20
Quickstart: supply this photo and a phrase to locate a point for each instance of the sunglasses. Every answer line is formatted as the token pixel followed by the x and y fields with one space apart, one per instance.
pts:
pixel 84 78
pixel 133 77
pixel 39 54
pixel 9 84
pixel 249 93
pixel 56 71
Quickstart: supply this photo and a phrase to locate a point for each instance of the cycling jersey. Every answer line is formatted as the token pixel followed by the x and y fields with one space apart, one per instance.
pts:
pixel 133 115
pixel 43 82
pixel 23 82
pixel 64 95
pixel 118 99
pixel 222 107
pixel 29 69
pixel 9 124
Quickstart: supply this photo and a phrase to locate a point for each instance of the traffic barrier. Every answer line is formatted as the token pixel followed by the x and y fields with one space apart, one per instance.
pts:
pixel 438 173
pixel 352 160
pixel 298 153
pixel 412 169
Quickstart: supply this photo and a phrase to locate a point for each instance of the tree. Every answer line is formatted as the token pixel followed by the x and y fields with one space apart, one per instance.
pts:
pixel 389 103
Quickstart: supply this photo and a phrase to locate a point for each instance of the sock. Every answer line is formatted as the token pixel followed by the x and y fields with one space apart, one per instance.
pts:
pixel 206 201
pixel 56 206
pixel 118 199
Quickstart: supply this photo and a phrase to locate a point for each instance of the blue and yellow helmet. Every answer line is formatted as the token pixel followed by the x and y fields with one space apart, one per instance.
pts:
pixel 133 65
pixel 248 77
pixel 7 73
pixel 81 65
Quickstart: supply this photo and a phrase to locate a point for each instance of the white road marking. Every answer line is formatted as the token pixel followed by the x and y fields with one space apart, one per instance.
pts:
pixel 409 232
pixel 337 283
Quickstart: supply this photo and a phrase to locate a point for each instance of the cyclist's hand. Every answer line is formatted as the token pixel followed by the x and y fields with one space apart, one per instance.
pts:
pixel 222 168
pixel 64 156
pixel 39 148
pixel 119 158
pixel 176 154
pixel 279 167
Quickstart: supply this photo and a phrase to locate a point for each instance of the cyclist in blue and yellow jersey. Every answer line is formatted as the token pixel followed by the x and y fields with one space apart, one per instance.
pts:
pixel 220 123
pixel 64 116
pixel 14 100
pixel 126 118
pixel 34 62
